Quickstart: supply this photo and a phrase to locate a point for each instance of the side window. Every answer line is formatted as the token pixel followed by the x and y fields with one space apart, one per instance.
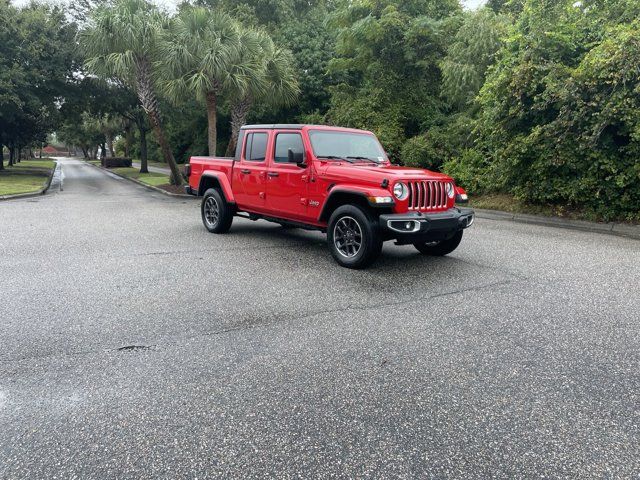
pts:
pixel 247 146
pixel 258 147
pixel 239 145
pixel 286 141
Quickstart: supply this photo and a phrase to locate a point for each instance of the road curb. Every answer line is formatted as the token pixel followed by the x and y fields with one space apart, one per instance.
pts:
pixel 149 187
pixel 37 193
pixel 619 229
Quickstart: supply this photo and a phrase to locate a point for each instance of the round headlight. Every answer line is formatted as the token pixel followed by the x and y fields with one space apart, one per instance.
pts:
pixel 401 191
pixel 450 190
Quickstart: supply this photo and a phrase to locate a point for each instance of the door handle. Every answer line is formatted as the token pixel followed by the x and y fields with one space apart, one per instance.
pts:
pixel 273 174
pixel 245 171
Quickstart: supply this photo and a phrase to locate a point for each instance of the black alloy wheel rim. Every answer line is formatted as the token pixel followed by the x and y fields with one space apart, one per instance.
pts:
pixel 211 212
pixel 347 237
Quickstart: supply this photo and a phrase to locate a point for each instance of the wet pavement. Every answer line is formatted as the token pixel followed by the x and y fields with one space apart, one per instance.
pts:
pixel 134 344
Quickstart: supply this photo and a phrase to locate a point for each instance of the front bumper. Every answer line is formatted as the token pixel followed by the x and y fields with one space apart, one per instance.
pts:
pixel 416 227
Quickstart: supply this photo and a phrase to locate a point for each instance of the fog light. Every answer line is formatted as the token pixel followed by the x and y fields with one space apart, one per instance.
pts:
pixel 404 226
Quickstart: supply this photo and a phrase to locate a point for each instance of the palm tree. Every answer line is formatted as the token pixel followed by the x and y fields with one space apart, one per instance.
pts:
pixel 121 42
pixel 201 55
pixel 275 82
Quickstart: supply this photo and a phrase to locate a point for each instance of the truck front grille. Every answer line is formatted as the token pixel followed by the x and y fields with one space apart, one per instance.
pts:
pixel 427 195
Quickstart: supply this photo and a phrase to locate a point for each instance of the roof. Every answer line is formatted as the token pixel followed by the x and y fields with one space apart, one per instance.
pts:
pixel 297 126
pixel 273 125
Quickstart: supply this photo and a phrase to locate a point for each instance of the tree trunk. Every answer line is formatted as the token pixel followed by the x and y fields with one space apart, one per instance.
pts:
pixel 176 175
pixel 85 152
pixel 1 157
pixel 144 165
pixel 110 145
pixel 12 155
pixel 127 138
pixel 212 118
pixel 150 105
pixel 239 113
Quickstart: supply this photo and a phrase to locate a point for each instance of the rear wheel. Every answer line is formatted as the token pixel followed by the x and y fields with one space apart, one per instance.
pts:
pixel 441 248
pixel 352 237
pixel 217 214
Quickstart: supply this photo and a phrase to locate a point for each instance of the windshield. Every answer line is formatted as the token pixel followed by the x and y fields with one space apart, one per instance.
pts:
pixel 348 145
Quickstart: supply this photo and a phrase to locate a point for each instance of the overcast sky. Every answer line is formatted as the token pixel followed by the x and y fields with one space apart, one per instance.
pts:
pixel 172 3
pixel 473 3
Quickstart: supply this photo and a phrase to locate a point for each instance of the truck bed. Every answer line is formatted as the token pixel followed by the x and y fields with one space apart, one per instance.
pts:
pixel 199 165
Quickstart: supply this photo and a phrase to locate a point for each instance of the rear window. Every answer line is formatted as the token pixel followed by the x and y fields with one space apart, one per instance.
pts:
pixel 255 149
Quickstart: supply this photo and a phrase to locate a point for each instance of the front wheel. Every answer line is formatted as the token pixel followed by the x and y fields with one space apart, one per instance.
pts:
pixel 217 214
pixel 441 248
pixel 353 238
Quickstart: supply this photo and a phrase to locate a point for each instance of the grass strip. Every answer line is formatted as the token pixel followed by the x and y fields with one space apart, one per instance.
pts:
pixel 152 178
pixel 15 184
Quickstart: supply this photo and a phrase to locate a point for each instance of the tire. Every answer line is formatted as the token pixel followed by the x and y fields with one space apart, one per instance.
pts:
pixel 442 248
pixel 217 214
pixel 347 225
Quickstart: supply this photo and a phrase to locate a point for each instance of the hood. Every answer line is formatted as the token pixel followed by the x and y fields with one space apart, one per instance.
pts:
pixel 376 174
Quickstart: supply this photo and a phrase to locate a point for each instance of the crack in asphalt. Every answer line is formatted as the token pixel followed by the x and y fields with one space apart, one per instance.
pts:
pixel 135 348
pixel 246 326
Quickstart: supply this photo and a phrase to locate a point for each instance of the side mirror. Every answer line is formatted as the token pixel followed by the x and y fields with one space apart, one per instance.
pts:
pixel 297 158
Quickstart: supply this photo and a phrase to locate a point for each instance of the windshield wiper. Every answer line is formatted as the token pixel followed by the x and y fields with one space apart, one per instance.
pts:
pixel 365 158
pixel 333 157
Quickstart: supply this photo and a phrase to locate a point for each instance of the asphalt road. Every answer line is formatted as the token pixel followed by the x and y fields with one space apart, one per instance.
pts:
pixel 518 356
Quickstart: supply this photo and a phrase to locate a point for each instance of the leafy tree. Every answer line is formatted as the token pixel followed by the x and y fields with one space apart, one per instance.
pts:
pixel 470 54
pixel 122 42
pixel 273 81
pixel 297 26
pixel 84 132
pixel 36 63
pixel 386 73
pixel 202 56
pixel 508 7
pixel 557 121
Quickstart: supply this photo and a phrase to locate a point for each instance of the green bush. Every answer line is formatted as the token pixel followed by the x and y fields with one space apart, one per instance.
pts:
pixel 472 172
pixel 559 114
pixel 418 152
pixel 440 144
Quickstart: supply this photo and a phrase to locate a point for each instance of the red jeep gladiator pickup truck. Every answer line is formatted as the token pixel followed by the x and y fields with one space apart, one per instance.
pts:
pixel 336 180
